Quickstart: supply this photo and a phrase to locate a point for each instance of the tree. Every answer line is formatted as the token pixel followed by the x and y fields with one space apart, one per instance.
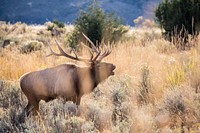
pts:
pixel 179 17
pixel 97 25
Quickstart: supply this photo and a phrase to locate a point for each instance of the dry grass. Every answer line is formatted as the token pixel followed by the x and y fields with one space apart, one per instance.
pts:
pixel 144 60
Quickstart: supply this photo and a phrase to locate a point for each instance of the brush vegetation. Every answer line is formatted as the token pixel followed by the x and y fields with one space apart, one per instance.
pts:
pixel 98 25
pixel 179 18
pixel 156 87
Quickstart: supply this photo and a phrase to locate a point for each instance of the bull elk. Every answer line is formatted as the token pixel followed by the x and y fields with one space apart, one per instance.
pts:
pixel 69 81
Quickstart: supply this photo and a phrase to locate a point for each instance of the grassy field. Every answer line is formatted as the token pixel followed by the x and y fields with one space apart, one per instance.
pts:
pixel 156 87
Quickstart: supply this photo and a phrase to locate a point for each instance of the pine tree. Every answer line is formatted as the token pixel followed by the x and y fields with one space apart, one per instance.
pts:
pixel 174 15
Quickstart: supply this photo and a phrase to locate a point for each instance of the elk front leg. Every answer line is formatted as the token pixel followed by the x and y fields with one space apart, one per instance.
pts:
pixel 25 112
pixel 32 107
pixel 28 109
pixel 78 100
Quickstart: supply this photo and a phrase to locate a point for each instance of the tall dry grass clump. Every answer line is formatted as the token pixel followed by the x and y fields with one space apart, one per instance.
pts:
pixel 155 89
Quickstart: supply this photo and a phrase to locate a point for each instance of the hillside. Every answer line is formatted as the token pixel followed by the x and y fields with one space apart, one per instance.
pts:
pixel 40 11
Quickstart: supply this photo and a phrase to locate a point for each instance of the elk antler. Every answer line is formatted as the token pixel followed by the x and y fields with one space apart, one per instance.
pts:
pixel 106 53
pixel 63 53
pixel 97 50
pixel 92 50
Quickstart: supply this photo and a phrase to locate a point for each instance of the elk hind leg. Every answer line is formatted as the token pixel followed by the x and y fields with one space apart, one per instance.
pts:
pixel 33 107
pixel 28 109
pixel 78 100
pixel 36 108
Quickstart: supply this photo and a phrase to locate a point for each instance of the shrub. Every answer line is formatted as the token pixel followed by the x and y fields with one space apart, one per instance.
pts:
pixel 173 102
pixel 145 86
pixel 74 124
pixel 120 96
pixel 89 126
pixel 56 27
pixel 2 38
pixel 109 106
pixel 182 105
pixel 195 79
pixel 97 25
pixel 178 18
pixel 8 92
pixel 176 75
pixel 56 23
pixel 59 23
pixel 99 116
pixel 11 107
pixel 50 27
pixel 164 47
pixel 31 46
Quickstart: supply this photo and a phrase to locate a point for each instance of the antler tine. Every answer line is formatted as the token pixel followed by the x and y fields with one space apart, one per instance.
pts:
pixel 62 52
pixel 93 46
pixel 90 50
pixel 98 54
pixel 75 53
pixel 52 52
pixel 103 55
pixel 106 53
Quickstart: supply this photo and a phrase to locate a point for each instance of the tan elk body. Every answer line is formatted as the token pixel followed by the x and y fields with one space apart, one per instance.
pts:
pixel 66 80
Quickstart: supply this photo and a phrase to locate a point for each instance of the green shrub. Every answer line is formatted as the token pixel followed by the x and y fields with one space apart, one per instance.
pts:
pixel 97 25
pixel 59 23
pixel 31 46
pixel 50 27
pixel 179 18
pixel 56 27
pixel 56 23
pixel 73 39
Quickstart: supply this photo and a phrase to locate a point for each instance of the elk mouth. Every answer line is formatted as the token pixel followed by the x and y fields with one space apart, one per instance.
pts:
pixel 113 73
